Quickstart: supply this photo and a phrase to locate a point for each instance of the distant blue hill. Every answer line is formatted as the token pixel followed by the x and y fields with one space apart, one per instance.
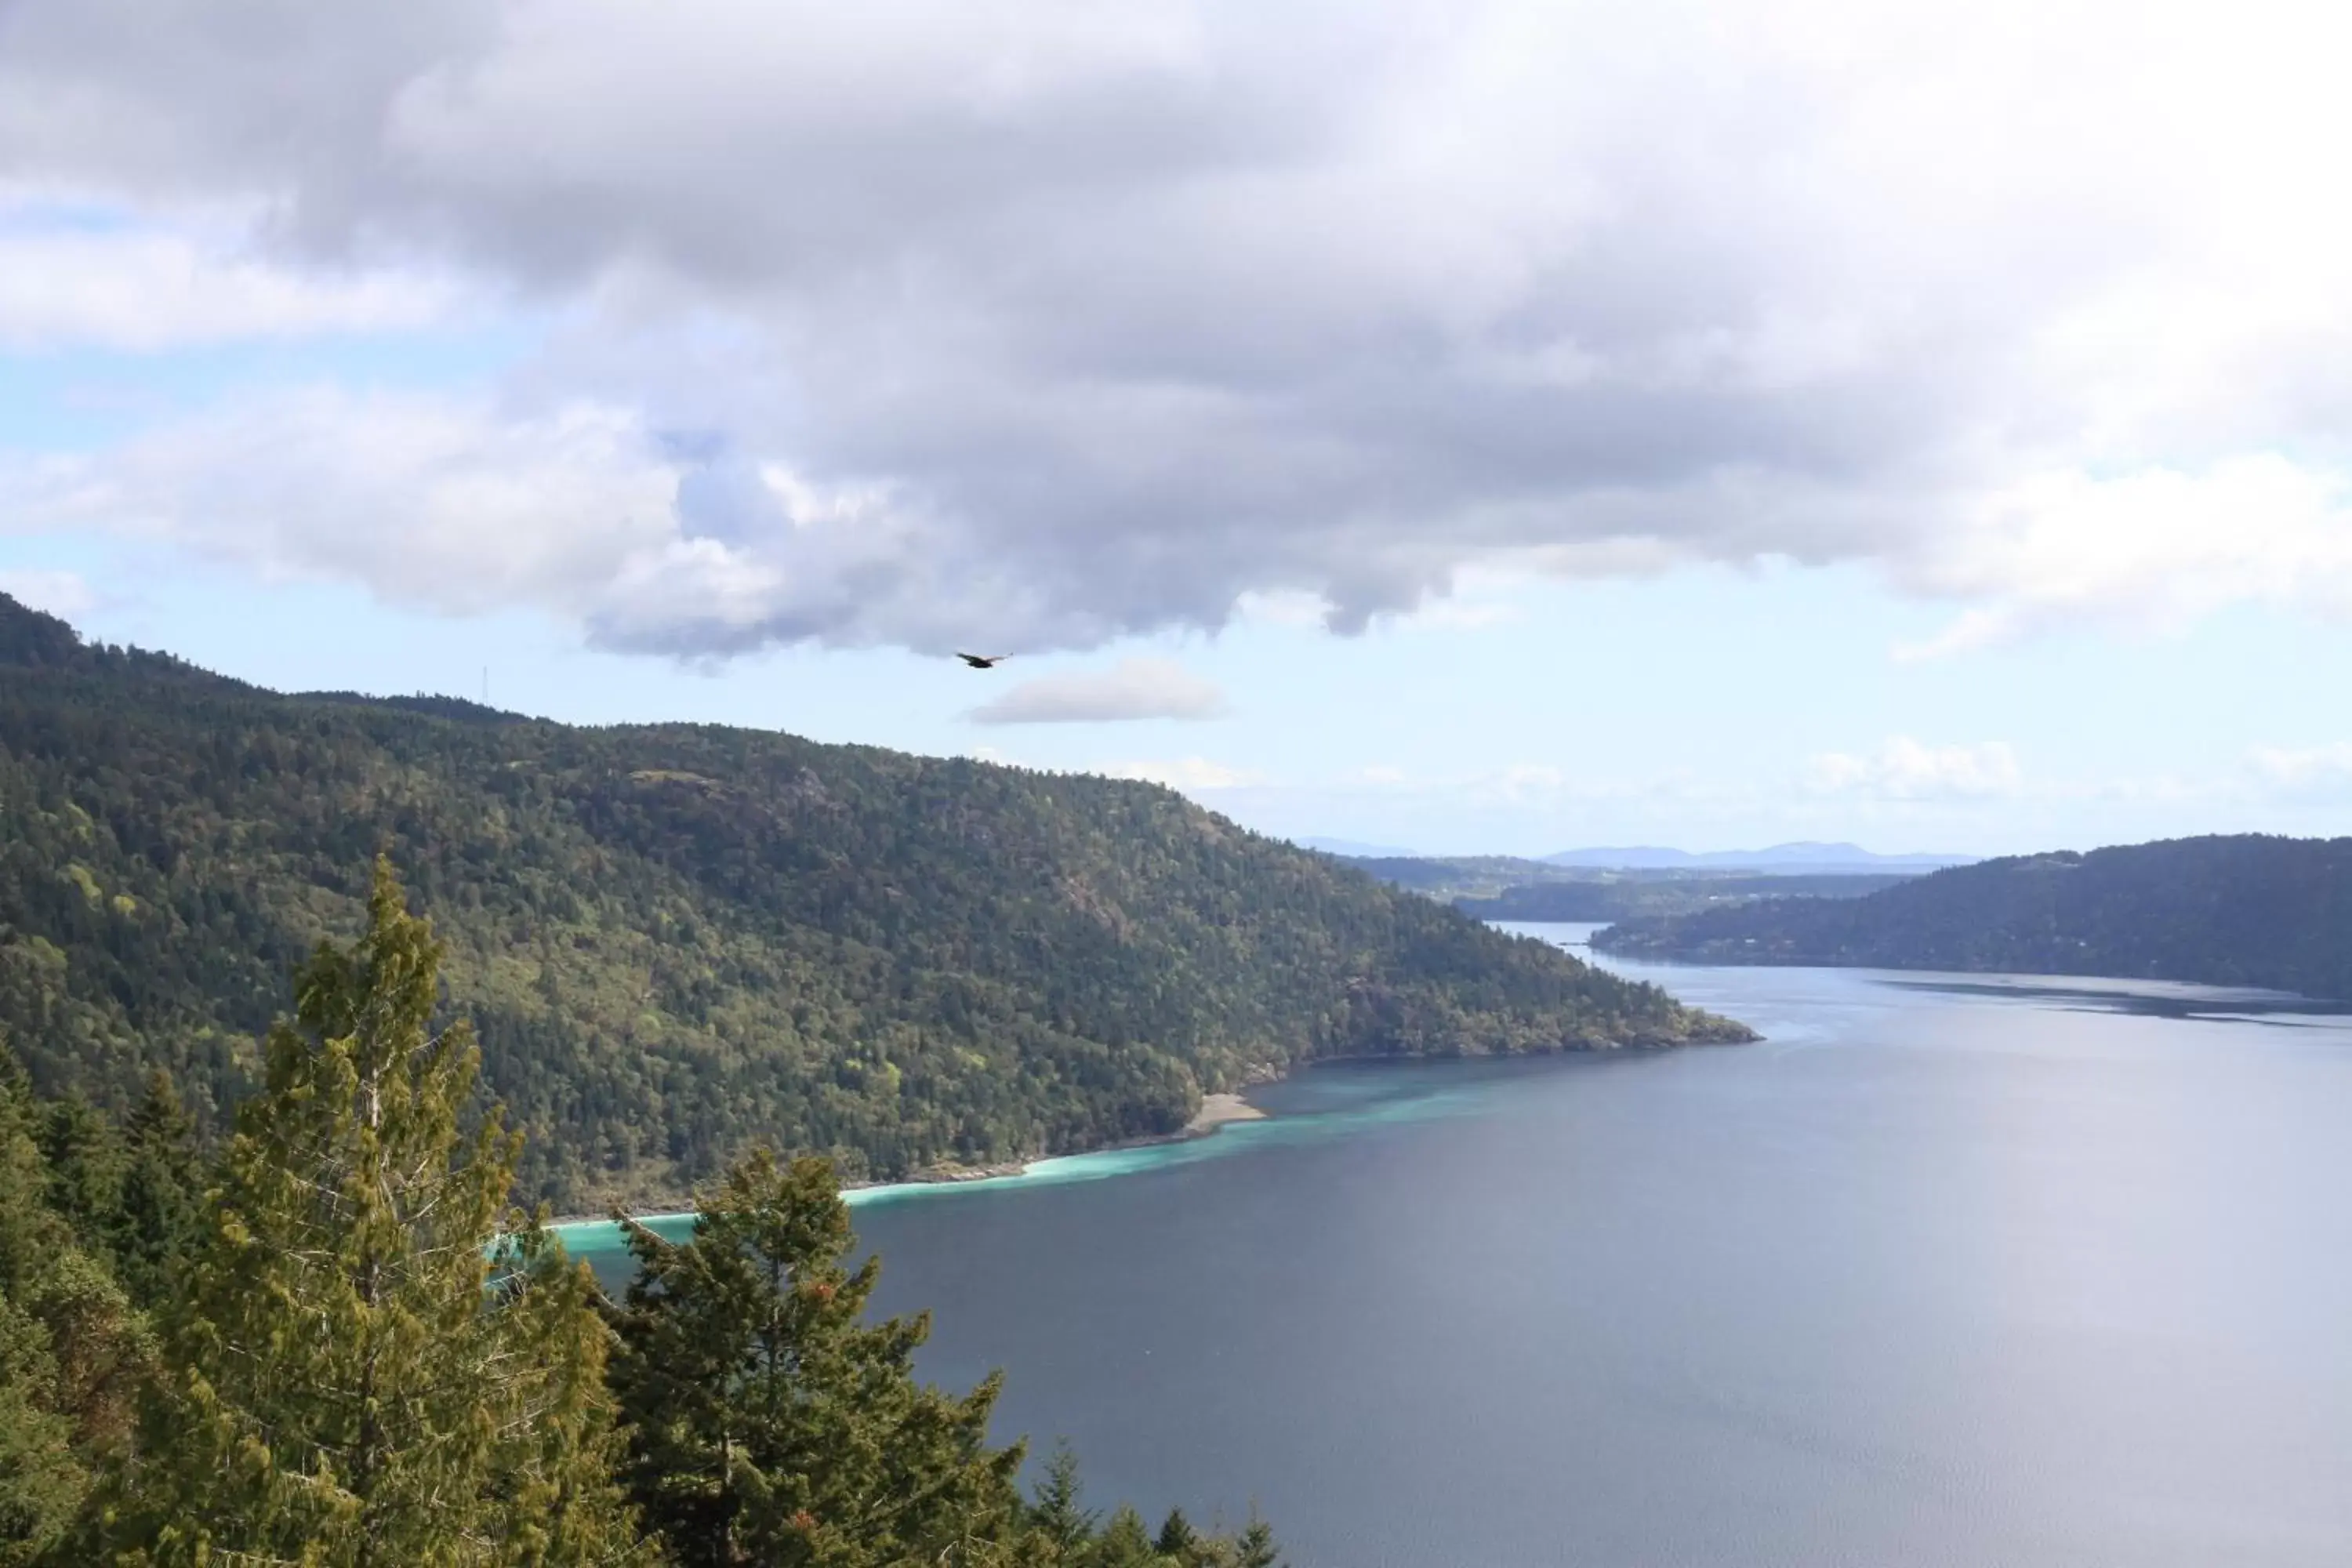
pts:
pixel 1793 858
pixel 1355 851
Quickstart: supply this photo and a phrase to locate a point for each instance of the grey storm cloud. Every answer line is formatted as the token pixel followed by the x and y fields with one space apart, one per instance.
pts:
pixel 1041 323
pixel 1132 688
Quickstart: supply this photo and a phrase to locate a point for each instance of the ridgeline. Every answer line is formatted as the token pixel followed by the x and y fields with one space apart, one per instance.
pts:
pixel 2250 910
pixel 675 940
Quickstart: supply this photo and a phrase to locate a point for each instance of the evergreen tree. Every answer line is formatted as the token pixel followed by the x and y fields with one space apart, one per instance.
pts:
pixel 1058 1511
pixel 1125 1542
pixel 1176 1537
pixel 1255 1546
pixel 71 1348
pixel 347 1390
pixel 84 1155
pixel 41 1477
pixel 162 1192
pixel 769 1423
pixel 560 1449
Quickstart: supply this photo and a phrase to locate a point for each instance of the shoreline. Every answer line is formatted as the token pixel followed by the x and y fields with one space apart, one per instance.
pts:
pixel 1217 1111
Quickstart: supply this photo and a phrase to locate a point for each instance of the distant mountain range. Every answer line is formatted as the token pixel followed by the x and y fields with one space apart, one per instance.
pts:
pixel 2250 910
pixel 1350 850
pixel 1802 858
pixel 1796 859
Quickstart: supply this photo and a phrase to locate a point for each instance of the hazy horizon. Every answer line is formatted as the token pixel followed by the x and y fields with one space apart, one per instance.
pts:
pixel 1229 800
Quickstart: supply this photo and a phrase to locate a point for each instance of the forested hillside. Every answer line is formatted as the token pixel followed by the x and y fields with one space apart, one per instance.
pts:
pixel 2245 910
pixel 676 940
pixel 1630 898
pixel 1450 877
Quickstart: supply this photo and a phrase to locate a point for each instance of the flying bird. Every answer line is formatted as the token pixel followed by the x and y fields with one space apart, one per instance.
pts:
pixel 983 661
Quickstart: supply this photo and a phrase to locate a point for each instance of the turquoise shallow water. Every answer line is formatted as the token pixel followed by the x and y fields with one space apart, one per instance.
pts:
pixel 1335 1104
pixel 1947 1272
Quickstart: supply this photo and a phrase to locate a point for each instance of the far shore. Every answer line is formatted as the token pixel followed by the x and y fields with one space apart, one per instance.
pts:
pixel 1216 1110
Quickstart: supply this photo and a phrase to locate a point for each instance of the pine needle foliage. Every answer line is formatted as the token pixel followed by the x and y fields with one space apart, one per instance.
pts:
pixel 162 1193
pixel 347 1390
pixel 770 1424
pixel 72 1350
pixel 1057 1509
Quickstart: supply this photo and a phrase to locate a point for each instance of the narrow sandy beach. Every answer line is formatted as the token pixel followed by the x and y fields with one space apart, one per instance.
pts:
pixel 1217 1109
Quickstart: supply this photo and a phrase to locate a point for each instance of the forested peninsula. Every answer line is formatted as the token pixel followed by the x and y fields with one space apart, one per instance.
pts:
pixel 2249 909
pixel 677 941
pixel 1631 898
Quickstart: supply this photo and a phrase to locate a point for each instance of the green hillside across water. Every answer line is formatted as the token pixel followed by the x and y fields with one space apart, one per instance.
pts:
pixel 677 939
pixel 2250 910
pixel 1627 898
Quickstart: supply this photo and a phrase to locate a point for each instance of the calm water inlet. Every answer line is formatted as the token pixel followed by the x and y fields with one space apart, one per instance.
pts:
pixel 1948 1270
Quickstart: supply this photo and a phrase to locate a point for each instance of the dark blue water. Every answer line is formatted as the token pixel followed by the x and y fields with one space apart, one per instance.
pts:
pixel 1945 1271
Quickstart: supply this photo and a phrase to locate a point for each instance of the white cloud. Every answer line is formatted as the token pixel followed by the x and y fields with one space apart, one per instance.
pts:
pixel 1289 607
pixel 1062 322
pixel 1132 688
pixel 62 593
pixel 2153 550
pixel 1457 614
pixel 1522 781
pixel 1905 769
pixel 146 289
pixel 1186 773
pixel 451 505
pixel 2308 771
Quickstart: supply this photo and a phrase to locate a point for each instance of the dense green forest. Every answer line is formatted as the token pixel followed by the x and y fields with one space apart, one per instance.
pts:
pixel 331 1341
pixel 679 940
pixel 1631 898
pixel 2250 910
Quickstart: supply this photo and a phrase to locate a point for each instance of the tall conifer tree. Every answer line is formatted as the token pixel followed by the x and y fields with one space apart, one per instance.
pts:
pixel 1058 1510
pixel 771 1425
pixel 161 1193
pixel 1255 1546
pixel 1125 1542
pixel 85 1159
pixel 72 1351
pixel 347 1389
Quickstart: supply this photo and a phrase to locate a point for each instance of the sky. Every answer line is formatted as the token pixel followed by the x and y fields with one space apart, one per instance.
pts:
pixel 1480 427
